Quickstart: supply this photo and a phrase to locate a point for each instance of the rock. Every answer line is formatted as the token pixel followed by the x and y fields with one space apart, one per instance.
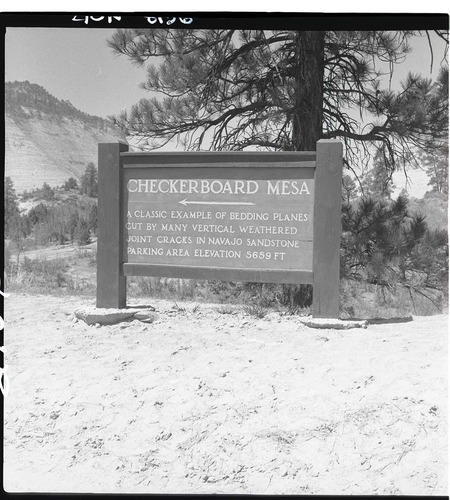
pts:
pixel 335 324
pixel 93 315
pixel 145 316
pixel 387 321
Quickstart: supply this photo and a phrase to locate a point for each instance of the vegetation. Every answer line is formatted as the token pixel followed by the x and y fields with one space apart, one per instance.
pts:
pixel 52 276
pixel 283 90
pixel 54 219
pixel 436 165
pixel 377 182
pixel 46 193
pixel 384 245
pixel 388 250
pixel 71 183
pixel 89 181
pixel 25 98
pixel 12 212
pixel 434 207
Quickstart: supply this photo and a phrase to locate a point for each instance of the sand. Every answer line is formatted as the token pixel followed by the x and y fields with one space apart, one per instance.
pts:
pixel 206 402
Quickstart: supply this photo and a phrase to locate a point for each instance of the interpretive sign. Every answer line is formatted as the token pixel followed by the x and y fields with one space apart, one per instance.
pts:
pixel 236 216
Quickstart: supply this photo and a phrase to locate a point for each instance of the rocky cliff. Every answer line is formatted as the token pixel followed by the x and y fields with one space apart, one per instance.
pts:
pixel 49 140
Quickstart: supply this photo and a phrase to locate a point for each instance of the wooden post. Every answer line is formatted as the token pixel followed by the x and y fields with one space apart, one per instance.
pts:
pixel 111 282
pixel 327 229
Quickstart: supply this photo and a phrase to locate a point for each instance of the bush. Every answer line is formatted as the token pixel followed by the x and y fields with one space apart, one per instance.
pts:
pixel 45 276
pixel 82 233
pixel 37 274
pixel 71 183
pixel 384 245
pixel 38 214
pixel 256 310
pixel 47 193
pixel 363 300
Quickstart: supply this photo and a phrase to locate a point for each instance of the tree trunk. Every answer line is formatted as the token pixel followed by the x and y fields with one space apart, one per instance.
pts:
pixel 308 99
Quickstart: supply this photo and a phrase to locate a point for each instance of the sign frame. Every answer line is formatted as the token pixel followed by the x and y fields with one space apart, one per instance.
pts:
pixel 324 165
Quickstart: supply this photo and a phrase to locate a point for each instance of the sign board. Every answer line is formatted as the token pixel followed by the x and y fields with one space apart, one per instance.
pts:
pixel 235 216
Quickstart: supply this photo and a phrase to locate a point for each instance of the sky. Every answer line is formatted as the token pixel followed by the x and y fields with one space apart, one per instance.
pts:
pixel 76 65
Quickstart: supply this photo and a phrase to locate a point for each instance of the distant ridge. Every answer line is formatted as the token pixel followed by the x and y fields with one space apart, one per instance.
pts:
pixel 47 139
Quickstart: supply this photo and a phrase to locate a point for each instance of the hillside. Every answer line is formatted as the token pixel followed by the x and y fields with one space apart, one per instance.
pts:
pixel 49 140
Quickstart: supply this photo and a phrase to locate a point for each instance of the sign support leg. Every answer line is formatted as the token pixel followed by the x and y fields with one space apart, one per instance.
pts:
pixel 327 229
pixel 111 282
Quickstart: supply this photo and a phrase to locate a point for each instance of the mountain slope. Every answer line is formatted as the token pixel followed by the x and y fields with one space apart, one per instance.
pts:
pixel 48 140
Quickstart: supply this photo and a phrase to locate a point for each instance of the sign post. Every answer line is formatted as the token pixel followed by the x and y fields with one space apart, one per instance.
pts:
pixel 327 229
pixel 239 216
pixel 111 282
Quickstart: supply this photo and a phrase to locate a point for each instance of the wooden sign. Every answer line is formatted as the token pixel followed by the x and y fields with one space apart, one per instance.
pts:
pixel 259 217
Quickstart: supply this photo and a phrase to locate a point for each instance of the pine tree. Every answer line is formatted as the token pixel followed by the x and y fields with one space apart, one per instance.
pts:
pixel 12 212
pixel 436 165
pixel 384 244
pixel 349 188
pixel 377 182
pixel 82 233
pixel 92 218
pixel 89 181
pixel 71 183
pixel 37 214
pixel 281 90
pixel 73 225
pixel 47 193
pixel 284 90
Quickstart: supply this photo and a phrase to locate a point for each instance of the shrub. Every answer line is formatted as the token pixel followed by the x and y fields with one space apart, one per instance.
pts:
pixel 256 310
pixel 71 183
pixel 384 245
pixel 82 233
pixel 226 309
pixel 48 193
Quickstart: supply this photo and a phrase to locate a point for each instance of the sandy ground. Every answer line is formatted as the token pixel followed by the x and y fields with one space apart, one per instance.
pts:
pixel 205 402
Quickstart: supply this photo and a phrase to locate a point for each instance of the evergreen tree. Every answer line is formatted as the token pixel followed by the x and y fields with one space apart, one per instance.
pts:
pixel 349 188
pixel 282 90
pixel 89 181
pixel 82 233
pixel 92 218
pixel 384 244
pixel 12 212
pixel 71 183
pixel 436 164
pixel 377 182
pixel 57 226
pixel 73 225
pixel 37 214
pixel 36 218
pixel 17 232
pixel 47 193
pixel 16 227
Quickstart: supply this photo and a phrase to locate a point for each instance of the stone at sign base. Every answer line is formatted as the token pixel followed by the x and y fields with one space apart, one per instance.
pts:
pixel 94 315
pixel 337 324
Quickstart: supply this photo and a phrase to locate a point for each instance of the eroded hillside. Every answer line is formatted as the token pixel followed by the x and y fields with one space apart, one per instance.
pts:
pixel 48 140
